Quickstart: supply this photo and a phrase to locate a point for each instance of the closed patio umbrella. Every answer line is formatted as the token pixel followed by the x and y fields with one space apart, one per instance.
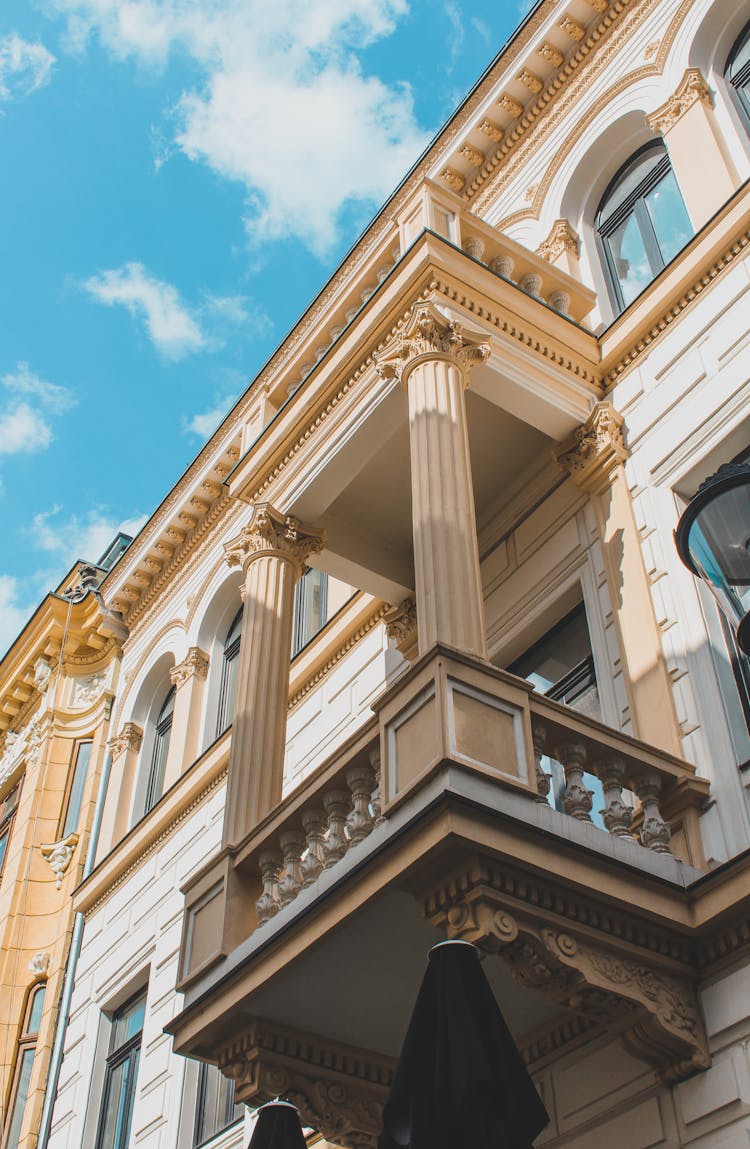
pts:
pixel 460 1082
pixel 278 1127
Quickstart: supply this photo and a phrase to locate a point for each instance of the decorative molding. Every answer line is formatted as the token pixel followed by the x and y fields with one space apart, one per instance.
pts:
pixel 599 975
pixel 691 89
pixel 270 533
pixel 129 738
pixel 195 663
pixel 401 627
pixel 492 130
pixel 594 451
pixel 657 326
pixel 335 657
pixel 550 53
pixel 472 154
pixel 42 674
pixel 510 105
pixel 530 81
pixel 426 335
pixel 561 239
pixel 453 179
pixel 598 5
pixel 339 1091
pixel 60 855
pixel 87 690
pixel 39 964
pixel 572 28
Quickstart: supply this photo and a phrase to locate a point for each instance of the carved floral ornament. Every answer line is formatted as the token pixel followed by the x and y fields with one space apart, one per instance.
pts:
pixel 620 991
pixel 401 626
pixel 427 334
pixel 270 533
pixel 690 90
pixel 60 855
pixel 129 738
pixel 194 663
pixel 561 239
pixel 594 451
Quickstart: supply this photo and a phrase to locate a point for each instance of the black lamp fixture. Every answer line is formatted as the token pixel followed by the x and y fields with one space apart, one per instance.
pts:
pixel 713 541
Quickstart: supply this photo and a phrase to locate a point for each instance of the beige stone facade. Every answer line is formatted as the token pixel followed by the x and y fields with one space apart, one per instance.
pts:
pixel 481 434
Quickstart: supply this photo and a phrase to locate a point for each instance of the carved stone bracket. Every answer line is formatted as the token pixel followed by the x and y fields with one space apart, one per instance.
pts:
pixel 690 90
pixel 625 993
pixel 595 449
pixel 427 334
pixel 339 1091
pixel 60 855
pixel 194 663
pixel 401 626
pixel 562 238
pixel 129 738
pixel 270 533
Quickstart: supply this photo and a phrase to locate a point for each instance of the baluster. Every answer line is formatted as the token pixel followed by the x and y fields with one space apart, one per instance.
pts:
pixel 617 816
pixel 359 820
pixel 292 844
pixel 376 798
pixel 531 283
pixel 539 740
pixel 576 799
pixel 314 822
pixel 474 247
pixel 655 831
pixel 502 265
pixel 335 845
pixel 267 904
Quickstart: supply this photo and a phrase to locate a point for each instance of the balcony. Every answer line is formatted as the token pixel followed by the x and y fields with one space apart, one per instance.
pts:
pixel 303 949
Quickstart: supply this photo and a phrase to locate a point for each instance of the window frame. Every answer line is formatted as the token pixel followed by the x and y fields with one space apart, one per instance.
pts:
pixel 230 655
pixel 62 832
pixel 632 206
pixel 26 1043
pixel 740 84
pixel 199 1136
pixel 157 761
pixel 7 818
pixel 128 1050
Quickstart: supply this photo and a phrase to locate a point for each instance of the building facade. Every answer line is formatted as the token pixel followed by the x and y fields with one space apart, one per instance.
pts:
pixel 510 714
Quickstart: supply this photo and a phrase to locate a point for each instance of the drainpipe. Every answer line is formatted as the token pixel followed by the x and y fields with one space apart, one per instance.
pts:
pixel 66 993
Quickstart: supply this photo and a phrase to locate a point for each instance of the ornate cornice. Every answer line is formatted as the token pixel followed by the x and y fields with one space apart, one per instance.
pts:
pixel 594 451
pixel 195 663
pixel 691 89
pixel 270 533
pixel 561 239
pixel 401 626
pixel 129 738
pixel 426 335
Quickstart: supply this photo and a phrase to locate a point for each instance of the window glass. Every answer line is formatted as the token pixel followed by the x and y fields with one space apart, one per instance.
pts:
pixel 159 752
pixel 7 810
pixel 310 608
pixel 215 1106
pixel 668 216
pixel 120 1075
pixel 631 263
pixel 230 664
pixel 738 70
pixel 561 665
pixel 75 798
pixel 24 1065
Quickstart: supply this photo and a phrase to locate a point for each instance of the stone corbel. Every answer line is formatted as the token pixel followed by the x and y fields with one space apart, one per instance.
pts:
pixel 129 738
pixel 692 87
pixel 60 855
pixel 194 663
pixel 561 247
pixel 655 1012
pixel 339 1091
pixel 401 626
pixel 592 454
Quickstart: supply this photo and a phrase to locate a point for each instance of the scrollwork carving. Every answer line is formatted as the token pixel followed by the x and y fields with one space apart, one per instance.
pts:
pixel 427 334
pixel 270 533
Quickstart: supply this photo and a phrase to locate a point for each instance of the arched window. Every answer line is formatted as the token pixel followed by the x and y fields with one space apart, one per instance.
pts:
pixel 642 223
pixel 738 71
pixel 159 752
pixel 229 674
pixel 24 1062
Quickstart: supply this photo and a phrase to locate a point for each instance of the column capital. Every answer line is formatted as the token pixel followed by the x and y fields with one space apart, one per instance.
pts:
pixel 427 334
pixel 194 663
pixel 594 451
pixel 401 626
pixel 561 239
pixel 691 88
pixel 270 533
pixel 129 738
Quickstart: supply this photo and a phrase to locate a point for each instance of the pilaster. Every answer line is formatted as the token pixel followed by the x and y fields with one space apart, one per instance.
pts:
pixel 271 549
pixel 189 680
pixel 687 123
pixel 124 748
pixel 594 457
pixel 432 357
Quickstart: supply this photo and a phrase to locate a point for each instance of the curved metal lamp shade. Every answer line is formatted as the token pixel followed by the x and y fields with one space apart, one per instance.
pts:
pixel 713 541
pixel 460 1082
pixel 278 1127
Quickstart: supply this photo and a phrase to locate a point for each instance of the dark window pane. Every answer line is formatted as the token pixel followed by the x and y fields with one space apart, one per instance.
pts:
pixel 4 836
pixel 35 1011
pixel 20 1096
pixel 310 608
pixel 228 686
pixel 127 1022
pixel 80 771
pixel 159 753
pixel 215 1106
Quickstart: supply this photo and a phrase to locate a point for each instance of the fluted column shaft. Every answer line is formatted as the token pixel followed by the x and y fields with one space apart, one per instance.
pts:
pixel 433 357
pixel 272 550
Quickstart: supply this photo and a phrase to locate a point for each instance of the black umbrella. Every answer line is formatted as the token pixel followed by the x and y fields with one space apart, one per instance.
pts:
pixel 278 1127
pixel 460 1082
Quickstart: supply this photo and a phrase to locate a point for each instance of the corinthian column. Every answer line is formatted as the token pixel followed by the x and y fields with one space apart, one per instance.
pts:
pixel 432 357
pixel 271 549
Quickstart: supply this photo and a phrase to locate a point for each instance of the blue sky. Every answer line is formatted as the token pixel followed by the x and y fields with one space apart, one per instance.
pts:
pixel 178 179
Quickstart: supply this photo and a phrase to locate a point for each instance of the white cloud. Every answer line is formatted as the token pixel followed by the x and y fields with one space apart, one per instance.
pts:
pixel 169 323
pixel 24 417
pixel 284 106
pixel 205 422
pixel 78 536
pixel 24 66
pixel 14 610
